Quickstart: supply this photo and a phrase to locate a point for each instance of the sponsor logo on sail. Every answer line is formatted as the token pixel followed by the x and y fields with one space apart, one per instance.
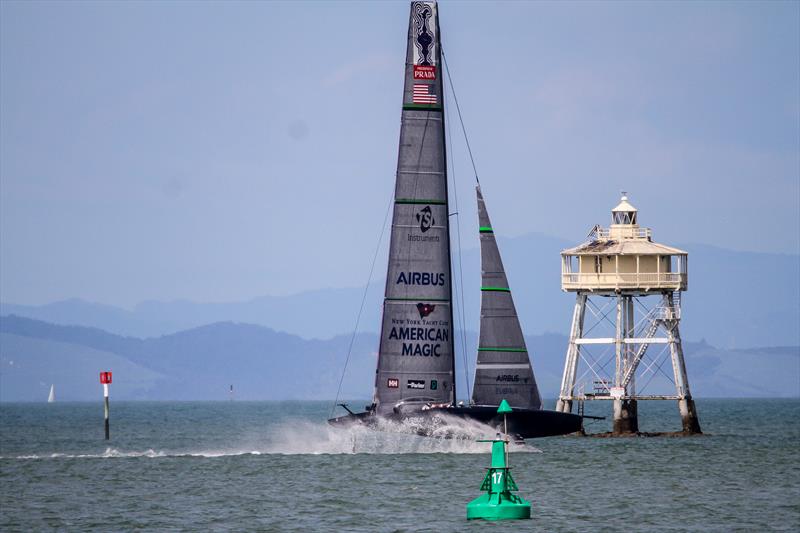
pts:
pixel 508 377
pixel 423 41
pixel 423 238
pixel 425 219
pixel 421 278
pixel 393 383
pixel 421 341
pixel 415 384
pixel 422 72
pixel 425 309
pixel 419 334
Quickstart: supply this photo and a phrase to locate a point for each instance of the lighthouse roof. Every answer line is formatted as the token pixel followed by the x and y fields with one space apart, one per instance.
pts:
pixel 624 205
pixel 623 247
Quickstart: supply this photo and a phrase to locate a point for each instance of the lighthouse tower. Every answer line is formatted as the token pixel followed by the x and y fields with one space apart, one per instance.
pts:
pixel 632 288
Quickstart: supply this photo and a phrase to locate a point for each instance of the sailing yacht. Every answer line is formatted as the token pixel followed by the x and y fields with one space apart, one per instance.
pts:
pixel 415 374
pixel 52 397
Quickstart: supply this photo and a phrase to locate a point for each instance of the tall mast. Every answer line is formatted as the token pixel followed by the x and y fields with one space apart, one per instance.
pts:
pixel 416 358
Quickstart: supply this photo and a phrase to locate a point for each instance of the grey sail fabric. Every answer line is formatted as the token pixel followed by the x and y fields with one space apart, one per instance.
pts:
pixel 503 369
pixel 415 359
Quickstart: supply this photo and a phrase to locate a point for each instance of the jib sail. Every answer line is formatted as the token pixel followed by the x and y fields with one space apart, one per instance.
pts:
pixel 503 369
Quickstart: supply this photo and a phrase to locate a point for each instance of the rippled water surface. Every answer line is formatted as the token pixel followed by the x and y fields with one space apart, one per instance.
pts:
pixel 278 466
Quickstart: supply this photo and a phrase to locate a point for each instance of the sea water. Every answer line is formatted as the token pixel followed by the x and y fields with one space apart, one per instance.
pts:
pixel 279 467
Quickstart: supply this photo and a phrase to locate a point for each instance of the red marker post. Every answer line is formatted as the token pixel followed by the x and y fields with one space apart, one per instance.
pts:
pixel 105 379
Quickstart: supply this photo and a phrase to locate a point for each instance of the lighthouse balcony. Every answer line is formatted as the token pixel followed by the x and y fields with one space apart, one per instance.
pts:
pixel 643 281
pixel 619 231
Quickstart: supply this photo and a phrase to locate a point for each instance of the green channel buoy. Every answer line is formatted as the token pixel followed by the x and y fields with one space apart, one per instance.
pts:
pixel 499 503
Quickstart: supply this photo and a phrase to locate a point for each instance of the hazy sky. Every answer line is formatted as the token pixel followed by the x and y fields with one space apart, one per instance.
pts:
pixel 222 151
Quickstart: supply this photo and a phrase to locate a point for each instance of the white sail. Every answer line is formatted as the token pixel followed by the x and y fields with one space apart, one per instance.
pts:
pixel 52 397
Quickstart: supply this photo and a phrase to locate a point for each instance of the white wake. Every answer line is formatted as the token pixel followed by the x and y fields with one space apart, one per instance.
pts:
pixel 305 437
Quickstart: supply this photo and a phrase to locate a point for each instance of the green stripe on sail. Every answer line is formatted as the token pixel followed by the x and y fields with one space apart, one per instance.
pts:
pixel 427 107
pixel 421 300
pixel 485 229
pixel 413 201
pixel 496 289
pixel 497 349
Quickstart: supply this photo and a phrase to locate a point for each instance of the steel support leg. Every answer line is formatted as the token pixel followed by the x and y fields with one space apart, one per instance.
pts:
pixel 564 403
pixel 689 420
pixel 626 416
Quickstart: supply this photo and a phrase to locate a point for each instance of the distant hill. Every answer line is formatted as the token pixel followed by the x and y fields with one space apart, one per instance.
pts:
pixel 735 300
pixel 262 364
pixel 200 363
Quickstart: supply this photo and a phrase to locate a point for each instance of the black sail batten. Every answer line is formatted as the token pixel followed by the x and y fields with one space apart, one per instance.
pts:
pixel 503 369
pixel 416 356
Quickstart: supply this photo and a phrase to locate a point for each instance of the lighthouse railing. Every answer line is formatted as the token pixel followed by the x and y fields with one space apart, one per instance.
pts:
pixel 623 280
pixel 623 232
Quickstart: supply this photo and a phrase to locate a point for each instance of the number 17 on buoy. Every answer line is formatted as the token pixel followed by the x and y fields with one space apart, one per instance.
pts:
pixel 105 379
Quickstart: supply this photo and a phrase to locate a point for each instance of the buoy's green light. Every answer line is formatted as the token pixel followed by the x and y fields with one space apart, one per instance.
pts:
pixel 499 503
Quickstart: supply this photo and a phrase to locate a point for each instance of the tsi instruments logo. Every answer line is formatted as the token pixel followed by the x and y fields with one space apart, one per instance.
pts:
pixel 425 219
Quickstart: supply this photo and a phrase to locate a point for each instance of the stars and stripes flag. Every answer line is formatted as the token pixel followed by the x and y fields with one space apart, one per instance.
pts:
pixel 422 94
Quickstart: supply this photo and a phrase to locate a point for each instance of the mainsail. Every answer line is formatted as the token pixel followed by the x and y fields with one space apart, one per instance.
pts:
pixel 503 369
pixel 52 397
pixel 415 359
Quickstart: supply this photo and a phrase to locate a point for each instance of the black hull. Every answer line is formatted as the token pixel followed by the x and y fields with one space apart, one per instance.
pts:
pixel 522 423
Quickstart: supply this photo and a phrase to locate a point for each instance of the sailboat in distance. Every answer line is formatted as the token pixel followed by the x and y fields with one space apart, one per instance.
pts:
pixel 415 375
pixel 52 397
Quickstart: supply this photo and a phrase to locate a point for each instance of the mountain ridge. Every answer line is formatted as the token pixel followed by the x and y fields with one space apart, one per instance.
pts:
pixel 735 299
pixel 263 364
